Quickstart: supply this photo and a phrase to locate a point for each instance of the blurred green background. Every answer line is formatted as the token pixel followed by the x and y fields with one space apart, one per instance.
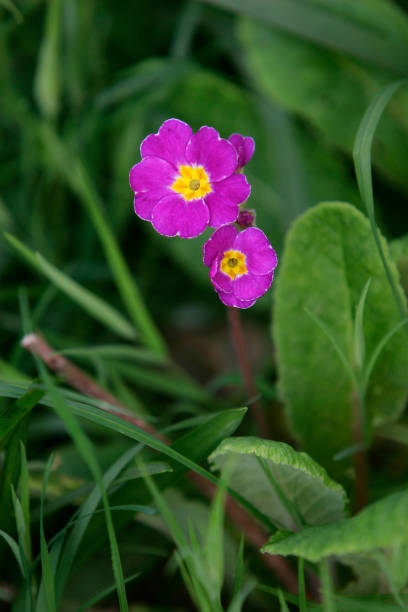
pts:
pixel 88 80
pixel 82 82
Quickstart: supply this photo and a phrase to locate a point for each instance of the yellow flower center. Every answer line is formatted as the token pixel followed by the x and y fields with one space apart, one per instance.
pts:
pixel 233 264
pixel 192 183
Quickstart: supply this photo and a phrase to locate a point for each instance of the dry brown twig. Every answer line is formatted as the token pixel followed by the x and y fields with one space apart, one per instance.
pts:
pixel 76 378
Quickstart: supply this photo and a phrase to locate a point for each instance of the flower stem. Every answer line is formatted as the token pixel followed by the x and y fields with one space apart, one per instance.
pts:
pixel 360 458
pixel 246 371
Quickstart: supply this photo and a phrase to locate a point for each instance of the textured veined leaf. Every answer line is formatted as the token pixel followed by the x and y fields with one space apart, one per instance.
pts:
pixel 380 525
pixel 329 256
pixel 263 466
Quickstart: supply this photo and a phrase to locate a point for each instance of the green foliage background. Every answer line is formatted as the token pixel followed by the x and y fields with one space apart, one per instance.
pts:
pixel 82 82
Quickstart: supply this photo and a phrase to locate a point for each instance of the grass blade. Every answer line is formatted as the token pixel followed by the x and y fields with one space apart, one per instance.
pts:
pixel 359 340
pixel 337 348
pixel 88 509
pixel 97 598
pixel 362 163
pixel 11 7
pixel 283 604
pixel 23 529
pixel 379 348
pixel 80 182
pixel 14 548
pixel 90 302
pixel 47 78
pixel 327 587
pixel 25 498
pixel 11 416
pixel 301 586
pixel 47 573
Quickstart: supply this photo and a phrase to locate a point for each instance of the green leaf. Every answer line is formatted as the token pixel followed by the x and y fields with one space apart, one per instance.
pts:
pixel 96 598
pixel 362 162
pixel 331 24
pixel 47 573
pixel 184 453
pixel 78 179
pixel 283 604
pixel 11 469
pixel 398 432
pixel 14 548
pixel 85 448
pixel 359 340
pixel 327 587
pixel 196 445
pixel 117 352
pixel 9 373
pixel 173 383
pixel 330 254
pixel 85 514
pixel 330 91
pixel 25 499
pixel 47 77
pixel 380 525
pixel 315 497
pixel 10 6
pixel 90 302
pixel 12 413
pixel 399 254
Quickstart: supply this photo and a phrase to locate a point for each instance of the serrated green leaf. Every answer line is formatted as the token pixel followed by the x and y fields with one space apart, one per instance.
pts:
pixel 380 525
pixel 330 254
pixel 314 495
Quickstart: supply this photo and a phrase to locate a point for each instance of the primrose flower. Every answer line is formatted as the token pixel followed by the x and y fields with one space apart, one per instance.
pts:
pixel 245 147
pixel 241 264
pixel 187 181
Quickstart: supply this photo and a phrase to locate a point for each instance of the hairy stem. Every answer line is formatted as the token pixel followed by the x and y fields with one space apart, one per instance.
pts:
pixel 360 457
pixel 246 371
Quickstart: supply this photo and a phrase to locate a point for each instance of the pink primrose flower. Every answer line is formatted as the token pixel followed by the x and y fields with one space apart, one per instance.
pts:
pixel 187 181
pixel 241 264
pixel 245 147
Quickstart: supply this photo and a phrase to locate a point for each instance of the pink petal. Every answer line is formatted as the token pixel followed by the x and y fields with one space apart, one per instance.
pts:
pixel 173 216
pixel 260 256
pixel 169 143
pixel 221 281
pixel 245 147
pixel 223 202
pixel 215 154
pixel 145 202
pixel 250 287
pixel 152 173
pixel 229 299
pixel 221 240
